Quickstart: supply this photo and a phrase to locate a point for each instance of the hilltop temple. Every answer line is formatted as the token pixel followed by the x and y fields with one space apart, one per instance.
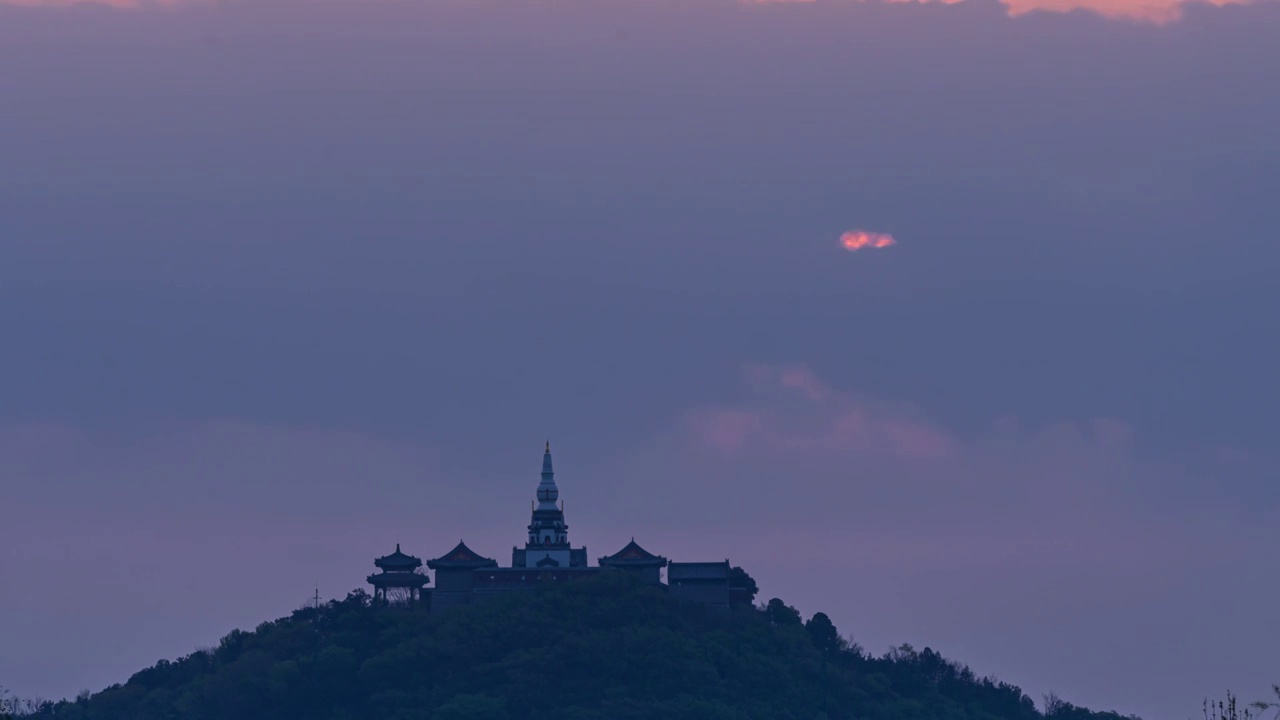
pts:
pixel 462 575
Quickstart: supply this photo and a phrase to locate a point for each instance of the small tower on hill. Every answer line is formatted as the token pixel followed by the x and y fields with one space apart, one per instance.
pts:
pixel 548 543
pixel 400 582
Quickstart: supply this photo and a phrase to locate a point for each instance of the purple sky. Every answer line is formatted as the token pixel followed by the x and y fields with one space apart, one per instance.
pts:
pixel 284 283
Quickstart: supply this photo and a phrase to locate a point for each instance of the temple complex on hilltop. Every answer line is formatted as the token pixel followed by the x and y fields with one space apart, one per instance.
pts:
pixel 462 575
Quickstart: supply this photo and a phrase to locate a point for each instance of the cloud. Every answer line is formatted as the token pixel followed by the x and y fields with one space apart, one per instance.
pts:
pixel 991 546
pixel 727 429
pixel 334 267
pixel 855 240
pixel 792 410
pixel 1157 12
pixel 834 422
pixel 117 4
pixel 985 544
pixel 1151 11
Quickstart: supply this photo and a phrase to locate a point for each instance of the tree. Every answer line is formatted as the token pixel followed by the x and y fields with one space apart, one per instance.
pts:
pixel 1053 705
pixel 1265 706
pixel 1228 709
pixel 904 653
pixel 780 613
pixel 472 707
pixel 600 647
pixel 6 705
pixel 13 707
pixel 738 578
pixel 358 598
pixel 824 635
pixel 398 596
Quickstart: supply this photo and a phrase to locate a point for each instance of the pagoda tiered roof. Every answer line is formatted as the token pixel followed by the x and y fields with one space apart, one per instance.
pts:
pixel 398 562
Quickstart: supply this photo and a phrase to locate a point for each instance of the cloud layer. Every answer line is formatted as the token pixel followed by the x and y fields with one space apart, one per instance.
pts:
pixel 1049 556
pixel 1053 534
pixel 1151 11
pixel 296 280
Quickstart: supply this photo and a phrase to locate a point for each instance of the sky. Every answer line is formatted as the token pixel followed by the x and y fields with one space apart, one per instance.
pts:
pixel 953 321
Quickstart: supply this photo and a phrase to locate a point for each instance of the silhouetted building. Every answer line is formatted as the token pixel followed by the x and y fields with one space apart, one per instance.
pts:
pixel 634 558
pixel 400 581
pixel 700 582
pixel 455 572
pixel 548 543
pixel 497 580
pixel 547 557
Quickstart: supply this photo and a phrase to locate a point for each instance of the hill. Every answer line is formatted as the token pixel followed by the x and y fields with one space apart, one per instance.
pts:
pixel 599 649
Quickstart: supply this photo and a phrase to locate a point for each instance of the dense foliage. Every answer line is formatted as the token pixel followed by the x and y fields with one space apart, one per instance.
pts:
pixel 598 649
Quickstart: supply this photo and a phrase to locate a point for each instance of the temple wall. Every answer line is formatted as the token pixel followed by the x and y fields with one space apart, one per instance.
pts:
pixel 708 594
pixel 454 580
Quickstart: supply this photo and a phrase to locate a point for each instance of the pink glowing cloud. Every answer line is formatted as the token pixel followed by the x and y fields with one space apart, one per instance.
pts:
pixel 1156 12
pixel 790 409
pixel 855 240
pixel 116 4
pixel 726 429
pixel 825 420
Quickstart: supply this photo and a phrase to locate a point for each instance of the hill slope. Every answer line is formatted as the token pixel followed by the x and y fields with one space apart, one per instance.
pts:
pixel 600 649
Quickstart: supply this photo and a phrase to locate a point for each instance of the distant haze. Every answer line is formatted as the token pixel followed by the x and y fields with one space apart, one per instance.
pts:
pixel 285 283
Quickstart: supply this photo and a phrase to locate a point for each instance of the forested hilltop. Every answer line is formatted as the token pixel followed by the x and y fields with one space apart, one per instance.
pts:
pixel 604 648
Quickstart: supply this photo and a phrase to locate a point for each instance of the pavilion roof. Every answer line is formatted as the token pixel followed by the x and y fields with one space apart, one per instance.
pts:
pixel 461 556
pixel 398 561
pixel 633 554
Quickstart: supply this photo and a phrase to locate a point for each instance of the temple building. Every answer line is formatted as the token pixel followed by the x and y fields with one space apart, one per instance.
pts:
pixel 400 581
pixel 636 559
pixel 463 575
pixel 548 543
pixel 455 576
pixel 701 582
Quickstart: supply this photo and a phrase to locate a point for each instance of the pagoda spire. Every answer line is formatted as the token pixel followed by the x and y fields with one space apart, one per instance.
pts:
pixel 548 545
pixel 548 493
